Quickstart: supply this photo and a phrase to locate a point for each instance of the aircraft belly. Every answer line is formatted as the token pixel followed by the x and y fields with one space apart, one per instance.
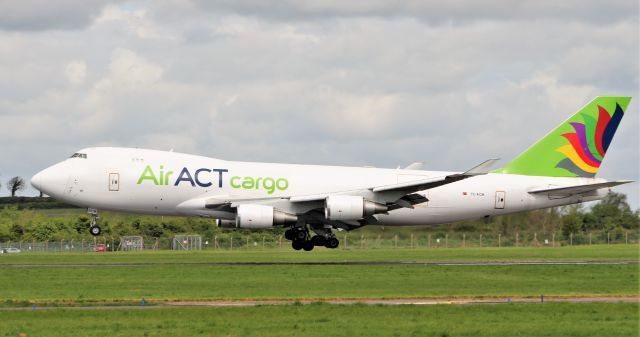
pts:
pixel 415 217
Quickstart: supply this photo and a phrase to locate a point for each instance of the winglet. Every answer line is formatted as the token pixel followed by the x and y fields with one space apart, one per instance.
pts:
pixel 483 168
pixel 414 166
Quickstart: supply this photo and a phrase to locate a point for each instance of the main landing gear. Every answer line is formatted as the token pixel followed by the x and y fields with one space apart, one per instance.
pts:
pixel 94 229
pixel 301 239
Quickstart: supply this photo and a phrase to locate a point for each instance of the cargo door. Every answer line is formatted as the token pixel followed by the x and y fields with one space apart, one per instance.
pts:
pixel 114 182
pixel 500 199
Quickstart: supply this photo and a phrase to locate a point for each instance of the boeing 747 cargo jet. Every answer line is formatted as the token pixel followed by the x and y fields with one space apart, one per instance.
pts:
pixel 557 170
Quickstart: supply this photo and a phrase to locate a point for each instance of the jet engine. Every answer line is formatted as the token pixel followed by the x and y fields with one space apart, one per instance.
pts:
pixel 258 217
pixel 226 224
pixel 349 207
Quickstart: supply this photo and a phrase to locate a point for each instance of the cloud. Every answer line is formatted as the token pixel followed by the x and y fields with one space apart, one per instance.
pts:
pixel 34 15
pixel 129 72
pixel 76 72
pixel 437 12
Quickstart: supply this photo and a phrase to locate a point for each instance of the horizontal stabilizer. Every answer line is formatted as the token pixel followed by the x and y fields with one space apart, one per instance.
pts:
pixel 578 189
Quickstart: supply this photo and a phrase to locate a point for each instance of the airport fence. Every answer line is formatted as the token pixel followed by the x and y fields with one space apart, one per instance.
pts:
pixel 351 240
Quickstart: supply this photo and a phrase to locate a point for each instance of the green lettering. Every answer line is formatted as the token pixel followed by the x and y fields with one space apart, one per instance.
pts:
pixel 282 184
pixel 258 182
pixel 233 184
pixel 269 184
pixel 166 177
pixel 248 183
pixel 148 174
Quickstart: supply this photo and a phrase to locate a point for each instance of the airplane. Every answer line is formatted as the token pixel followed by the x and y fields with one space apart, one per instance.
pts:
pixel 313 201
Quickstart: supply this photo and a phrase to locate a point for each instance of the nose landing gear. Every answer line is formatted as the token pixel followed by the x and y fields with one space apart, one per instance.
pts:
pixel 94 229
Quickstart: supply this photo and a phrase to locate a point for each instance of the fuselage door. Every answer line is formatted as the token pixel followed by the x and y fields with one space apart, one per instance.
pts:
pixel 500 199
pixel 114 181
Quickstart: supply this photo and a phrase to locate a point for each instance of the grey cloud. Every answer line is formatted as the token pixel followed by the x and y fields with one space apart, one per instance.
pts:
pixel 455 11
pixel 34 15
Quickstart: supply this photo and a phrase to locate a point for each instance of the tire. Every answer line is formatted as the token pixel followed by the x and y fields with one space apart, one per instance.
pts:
pixel 332 243
pixel 289 234
pixel 300 235
pixel 319 240
pixel 296 244
pixel 308 246
pixel 95 230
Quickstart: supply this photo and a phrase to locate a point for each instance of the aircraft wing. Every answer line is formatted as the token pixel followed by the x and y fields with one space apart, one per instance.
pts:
pixel 222 203
pixel 414 166
pixel 577 189
pixel 394 196
pixel 425 184
pixel 399 190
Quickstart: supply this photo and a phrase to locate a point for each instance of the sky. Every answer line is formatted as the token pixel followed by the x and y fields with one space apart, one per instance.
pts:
pixel 377 83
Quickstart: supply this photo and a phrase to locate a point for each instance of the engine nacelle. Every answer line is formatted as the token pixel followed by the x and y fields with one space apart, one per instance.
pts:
pixel 226 224
pixel 349 207
pixel 262 217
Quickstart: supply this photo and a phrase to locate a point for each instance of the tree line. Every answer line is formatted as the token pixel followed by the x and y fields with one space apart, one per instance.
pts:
pixel 609 214
pixel 44 219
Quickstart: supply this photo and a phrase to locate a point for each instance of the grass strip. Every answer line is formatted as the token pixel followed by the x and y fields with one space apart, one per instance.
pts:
pixel 548 319
pixel 87 285
pixel 592 253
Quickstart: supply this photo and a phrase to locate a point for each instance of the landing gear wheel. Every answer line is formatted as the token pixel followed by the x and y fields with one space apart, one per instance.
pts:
pixel 307 245
pixel 289 234
pixel 95 230
pixel 301 235
pixel 296 244
pixel 332 243
pixel 319 240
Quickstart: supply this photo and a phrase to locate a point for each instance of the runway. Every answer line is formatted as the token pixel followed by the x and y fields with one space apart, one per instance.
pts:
pixel 365 301
pixel 414 301
pixel 346 263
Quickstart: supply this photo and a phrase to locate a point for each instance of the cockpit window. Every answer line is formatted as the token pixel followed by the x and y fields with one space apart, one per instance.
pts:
pixel 79 155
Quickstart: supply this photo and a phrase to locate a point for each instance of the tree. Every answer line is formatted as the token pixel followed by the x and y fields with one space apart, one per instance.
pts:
pixel 572 220
pixel 17 231
pixel 613 211
pixel 15 184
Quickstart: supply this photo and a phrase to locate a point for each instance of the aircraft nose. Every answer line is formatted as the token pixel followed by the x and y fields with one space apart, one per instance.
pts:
pixel 50 181
pixel 36 180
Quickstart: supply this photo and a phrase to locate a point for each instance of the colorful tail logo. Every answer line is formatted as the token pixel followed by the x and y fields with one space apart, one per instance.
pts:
pixel 589 143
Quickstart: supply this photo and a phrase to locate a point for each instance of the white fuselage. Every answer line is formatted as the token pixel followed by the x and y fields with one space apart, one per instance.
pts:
pixel 155 182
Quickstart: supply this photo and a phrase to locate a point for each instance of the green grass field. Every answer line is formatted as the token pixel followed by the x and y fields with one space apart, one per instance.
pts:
pixel 166 276
pixel 201 282
pixel 548 319
pixel 591 253
pixel 169 276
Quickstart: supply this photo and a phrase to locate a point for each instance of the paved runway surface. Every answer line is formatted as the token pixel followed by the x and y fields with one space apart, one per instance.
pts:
pixel 415 301
pixel 397 301
pixel 354 263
